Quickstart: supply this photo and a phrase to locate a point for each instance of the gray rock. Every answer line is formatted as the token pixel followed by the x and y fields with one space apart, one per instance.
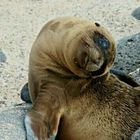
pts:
pixel 11 123
pixel 128 54
pixel 136 75
pixel 2 56
pixel 136 13
pixel 136 135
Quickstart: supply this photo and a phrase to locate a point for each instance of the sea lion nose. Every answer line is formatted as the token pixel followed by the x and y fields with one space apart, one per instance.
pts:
pixel 101 41
pixel 104 43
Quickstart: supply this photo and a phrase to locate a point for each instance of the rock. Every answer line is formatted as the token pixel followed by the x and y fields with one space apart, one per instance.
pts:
pixel 11 123
pixel 128 54
pixel 136 135
pixel 2 56
pixel 136 75
pixel 136 13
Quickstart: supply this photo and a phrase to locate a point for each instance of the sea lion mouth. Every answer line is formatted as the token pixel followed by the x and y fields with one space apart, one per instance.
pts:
pixel 100 71
pixel 94 65
pixel 99 66
pixel 95 59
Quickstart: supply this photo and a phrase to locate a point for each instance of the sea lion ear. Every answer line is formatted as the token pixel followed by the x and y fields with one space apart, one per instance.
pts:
pixel 97 24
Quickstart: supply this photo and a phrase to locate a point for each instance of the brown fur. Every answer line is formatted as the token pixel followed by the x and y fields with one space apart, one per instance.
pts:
pixel 107 110
pixel 70 94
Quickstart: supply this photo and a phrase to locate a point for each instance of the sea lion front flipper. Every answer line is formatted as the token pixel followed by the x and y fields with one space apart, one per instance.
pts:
pixel 42 121
pixel 124 77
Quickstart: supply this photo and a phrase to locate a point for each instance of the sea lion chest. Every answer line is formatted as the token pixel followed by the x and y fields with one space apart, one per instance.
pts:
pixel 101 113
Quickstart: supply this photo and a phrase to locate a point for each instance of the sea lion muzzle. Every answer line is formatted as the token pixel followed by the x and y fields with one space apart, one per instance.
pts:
pixel 104 46
pixel 96 57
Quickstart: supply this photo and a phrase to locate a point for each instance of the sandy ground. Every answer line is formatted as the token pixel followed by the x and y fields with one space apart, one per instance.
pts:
pixel 21 20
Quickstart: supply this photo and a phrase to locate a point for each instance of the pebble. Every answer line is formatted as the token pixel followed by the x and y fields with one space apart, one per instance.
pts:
pixel 2 56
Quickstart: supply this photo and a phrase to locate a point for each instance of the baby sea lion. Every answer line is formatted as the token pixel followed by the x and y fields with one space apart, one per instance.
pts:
pixel 73 94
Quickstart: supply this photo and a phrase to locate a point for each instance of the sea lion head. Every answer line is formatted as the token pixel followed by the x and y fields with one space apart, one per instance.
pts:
pixel 89 49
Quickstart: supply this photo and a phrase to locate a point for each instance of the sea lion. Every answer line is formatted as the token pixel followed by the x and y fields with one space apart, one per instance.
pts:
pixel 73 94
